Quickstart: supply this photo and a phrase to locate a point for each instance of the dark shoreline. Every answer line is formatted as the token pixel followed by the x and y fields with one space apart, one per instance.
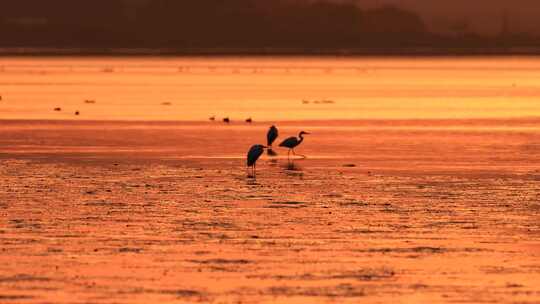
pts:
pixel 326 122
pixel 360 52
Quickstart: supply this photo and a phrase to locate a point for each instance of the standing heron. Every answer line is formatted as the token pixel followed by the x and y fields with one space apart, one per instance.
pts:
pixel 292 142
pixel 270 138
pixel 253 155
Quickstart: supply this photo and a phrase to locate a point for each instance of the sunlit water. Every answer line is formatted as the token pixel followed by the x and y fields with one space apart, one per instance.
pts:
pixel 380 210
pixel 269 89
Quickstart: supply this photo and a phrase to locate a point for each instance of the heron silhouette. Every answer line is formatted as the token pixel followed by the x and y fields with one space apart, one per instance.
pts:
pixel 270 138
pixel 292 142
pixel 253 155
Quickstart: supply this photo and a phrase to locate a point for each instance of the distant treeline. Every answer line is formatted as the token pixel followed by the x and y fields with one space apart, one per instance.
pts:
pixel 222 24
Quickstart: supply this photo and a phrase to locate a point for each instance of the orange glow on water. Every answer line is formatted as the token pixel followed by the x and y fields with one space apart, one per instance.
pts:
pixel 269 88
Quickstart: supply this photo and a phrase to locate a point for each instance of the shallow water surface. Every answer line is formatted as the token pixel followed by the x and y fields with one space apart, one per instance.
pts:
pixel 270 89
pixel 421 182
pixel 120 212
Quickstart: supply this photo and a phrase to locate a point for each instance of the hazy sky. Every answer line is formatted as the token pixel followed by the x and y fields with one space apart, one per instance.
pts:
pixel 485 16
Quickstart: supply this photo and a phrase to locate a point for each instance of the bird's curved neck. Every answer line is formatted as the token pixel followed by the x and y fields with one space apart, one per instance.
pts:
pixel 301 138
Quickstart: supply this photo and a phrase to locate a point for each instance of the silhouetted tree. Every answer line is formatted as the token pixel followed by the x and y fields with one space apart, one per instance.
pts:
pixel 217 24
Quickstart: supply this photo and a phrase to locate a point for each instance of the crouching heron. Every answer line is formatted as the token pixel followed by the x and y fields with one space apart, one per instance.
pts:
pixel 270 138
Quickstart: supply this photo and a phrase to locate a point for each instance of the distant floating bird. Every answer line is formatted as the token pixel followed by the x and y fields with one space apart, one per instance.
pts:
pixel 212 118
pixel 58 109
pixel 226 120
pixel 77 113
pixel 253 155
pixel 90 101
pixel 249 120
pixel 292 142
pixel 166 103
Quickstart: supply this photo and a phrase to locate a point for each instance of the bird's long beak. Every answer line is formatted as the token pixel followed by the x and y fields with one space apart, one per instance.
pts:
pixel 307 133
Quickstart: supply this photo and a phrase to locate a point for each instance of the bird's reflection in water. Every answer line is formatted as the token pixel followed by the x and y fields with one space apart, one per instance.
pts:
pixel 271 152
pixel 292 167
pixel 252 181
pixel 295 174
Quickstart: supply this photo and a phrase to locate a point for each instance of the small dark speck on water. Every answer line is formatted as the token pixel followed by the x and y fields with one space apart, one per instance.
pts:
pixel 513 285
pixel 128 249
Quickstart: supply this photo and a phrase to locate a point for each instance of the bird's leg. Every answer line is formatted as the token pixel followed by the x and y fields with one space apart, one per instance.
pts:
pixel 255 170
pixel 303 156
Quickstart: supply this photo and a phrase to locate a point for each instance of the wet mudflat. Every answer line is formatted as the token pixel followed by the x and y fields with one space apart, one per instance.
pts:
pixel 409 213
